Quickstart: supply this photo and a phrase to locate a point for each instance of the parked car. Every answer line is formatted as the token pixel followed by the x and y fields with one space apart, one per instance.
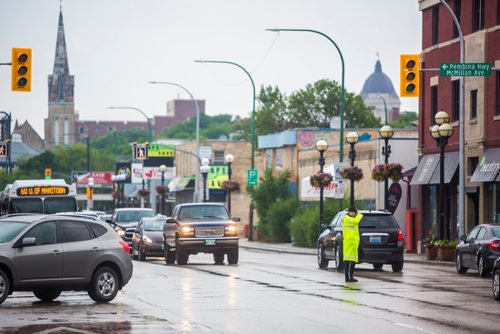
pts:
pixel 479 249
pixel 47 254
pixel 147 239
pixel 496 279
pixel 200 227
pixel 381 241
pixel 125 221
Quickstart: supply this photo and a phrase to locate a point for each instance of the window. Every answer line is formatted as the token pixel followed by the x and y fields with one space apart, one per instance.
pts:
pixel 97 130
pixel 378 222
pixel 457 8
pixel 478 15
pixel 435 24
pixel 473 104
pixel 473 162
pixel 455 100
pixel 473 234
pixel 44 233
pixel 497 92
pixel 73 231
pixel 482 234
pixel 98 229
pixel 434 100
pixel 219 157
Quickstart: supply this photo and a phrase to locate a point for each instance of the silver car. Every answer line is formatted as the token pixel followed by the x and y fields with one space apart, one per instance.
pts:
pixel 48 254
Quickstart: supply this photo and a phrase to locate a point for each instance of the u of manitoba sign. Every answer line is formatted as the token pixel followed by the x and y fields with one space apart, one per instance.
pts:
pixel 465 69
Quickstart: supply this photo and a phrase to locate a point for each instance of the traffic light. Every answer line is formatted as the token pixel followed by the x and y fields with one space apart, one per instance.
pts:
pixel 4 149
pixel 141 151
pixel 409 75
pixel 21 70
pixel 48 173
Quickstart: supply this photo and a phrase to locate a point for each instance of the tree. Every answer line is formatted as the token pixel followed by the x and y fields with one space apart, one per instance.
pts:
pixel 272 114
pixel 406 119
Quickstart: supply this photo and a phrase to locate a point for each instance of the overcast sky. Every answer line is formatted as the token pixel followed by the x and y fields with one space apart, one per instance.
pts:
pixel 116 46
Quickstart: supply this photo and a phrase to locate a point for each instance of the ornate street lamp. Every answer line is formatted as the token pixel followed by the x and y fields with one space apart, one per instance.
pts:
pixel 229 158
pixel 321 146
pixel 204 169
pixel 441 131
pixel 163 169
pixel 352 138
pixel 386 132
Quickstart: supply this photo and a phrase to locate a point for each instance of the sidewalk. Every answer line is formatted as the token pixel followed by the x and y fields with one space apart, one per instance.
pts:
pixel 288 248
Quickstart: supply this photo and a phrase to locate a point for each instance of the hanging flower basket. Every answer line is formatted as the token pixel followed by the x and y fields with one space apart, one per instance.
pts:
pixel 230 185
pixel 143 192
pixel 391 171
pixel 116 195
pixel 352 173
pixel 321 180
pixel 161 189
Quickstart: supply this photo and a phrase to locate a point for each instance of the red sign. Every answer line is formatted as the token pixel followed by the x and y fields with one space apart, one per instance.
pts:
pixel 99 178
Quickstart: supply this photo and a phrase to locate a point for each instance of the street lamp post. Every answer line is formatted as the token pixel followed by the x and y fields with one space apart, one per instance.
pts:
pixel 250 220
pixel 204 169
pixel 144 114
pixel 196 175
pixel 321 146
pixel 342 98
pixel 441 131
pixel 163 169
pixel 386 132
pixel 229 158
pixel 352 138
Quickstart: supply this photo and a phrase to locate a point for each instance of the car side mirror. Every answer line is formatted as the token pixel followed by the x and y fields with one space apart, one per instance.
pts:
pixel 29 241
pixel 171 221
pixel 463 238
pixel 323 226
pixel 236 219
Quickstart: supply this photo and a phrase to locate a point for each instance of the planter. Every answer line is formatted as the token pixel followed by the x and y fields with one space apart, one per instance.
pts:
pixel 431 252
pixel 446 253
pixel 230 185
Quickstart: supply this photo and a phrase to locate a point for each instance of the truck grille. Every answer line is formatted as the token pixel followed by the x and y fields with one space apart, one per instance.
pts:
pixel 216 231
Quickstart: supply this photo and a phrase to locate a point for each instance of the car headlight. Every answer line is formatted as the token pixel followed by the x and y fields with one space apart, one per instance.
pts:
pixel 230 229
pixel 146 239
pixel 121 233
pixel 187 230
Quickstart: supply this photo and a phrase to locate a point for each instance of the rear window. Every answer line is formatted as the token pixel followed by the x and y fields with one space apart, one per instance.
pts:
pixel 496 232
pixel 98 229
pixel 378 222
pixel 133 216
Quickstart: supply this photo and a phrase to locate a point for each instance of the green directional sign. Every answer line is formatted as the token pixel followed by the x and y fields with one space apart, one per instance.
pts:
pixel 465 69
pixel 252 177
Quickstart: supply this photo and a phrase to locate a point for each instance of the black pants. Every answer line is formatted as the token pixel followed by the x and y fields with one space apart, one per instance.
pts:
pixel 349 269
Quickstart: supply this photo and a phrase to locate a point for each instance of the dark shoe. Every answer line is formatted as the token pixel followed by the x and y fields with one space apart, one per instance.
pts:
pixel 351 280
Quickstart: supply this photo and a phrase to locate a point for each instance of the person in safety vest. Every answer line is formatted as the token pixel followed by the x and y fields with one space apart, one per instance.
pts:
pixel 350 242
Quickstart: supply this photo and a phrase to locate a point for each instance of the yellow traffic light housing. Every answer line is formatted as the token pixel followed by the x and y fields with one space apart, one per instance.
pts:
pixel 409 75
pixel 48 173
pixel 21 70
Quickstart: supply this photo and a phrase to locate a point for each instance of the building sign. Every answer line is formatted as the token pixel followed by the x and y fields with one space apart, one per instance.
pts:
pixel 394 196
pixel 157 150
pixel 216 175
pixel 205 152
pixel 42 191
pixel 99 178
pixel 465 69
pixel 154 173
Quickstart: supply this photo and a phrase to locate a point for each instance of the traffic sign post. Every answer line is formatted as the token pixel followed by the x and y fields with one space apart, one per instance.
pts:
pixel 465 69
pixel 252 177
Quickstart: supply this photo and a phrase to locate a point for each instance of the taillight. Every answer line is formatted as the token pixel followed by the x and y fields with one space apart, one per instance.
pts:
pixel 125 246
pixel 494 245
pixel 400 235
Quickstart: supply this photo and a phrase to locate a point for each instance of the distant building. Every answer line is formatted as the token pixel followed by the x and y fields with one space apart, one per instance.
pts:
pixel 377 88
pixel 26 134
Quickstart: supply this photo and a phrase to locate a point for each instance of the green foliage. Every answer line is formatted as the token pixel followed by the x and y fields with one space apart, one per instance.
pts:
pixel 406 119
pixel 118 143
pixel 275 225
pixel 270 189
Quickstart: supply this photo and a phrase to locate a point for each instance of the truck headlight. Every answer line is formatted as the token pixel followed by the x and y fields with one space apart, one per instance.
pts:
pixel 121 233
pixel 187 230
pixel 230 229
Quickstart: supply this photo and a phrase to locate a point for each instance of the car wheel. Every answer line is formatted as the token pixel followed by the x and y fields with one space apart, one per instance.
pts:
pixel 47 295
pixel 322 262
pixel 481 266
pixel 4 286
pixel 378 266
pixel 181 257
pixel 104 285
pixel 169 255
pixel 459 264
pixel 134 252
pixel 232 256
pixel 140 253
pixel 339 263
pixel 397 267
pixel 218 257
pixel 496 284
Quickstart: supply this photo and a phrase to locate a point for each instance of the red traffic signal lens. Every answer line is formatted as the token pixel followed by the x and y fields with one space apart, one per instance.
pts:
pixel 410 63
pixel 410 88
pixel 22 57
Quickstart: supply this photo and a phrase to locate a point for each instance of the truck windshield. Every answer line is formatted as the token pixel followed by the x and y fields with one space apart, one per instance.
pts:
pixel 61 204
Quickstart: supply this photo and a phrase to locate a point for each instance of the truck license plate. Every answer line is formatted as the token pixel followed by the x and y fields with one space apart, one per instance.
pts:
pixel 375 240
pixel 210 242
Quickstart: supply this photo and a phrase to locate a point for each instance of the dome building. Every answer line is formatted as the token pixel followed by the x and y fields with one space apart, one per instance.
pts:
pixel 377 88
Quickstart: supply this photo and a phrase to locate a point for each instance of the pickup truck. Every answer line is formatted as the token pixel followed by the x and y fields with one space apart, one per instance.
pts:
pixel 200 227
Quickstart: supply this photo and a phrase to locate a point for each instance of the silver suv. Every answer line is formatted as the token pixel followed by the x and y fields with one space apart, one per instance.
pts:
pixel 48 254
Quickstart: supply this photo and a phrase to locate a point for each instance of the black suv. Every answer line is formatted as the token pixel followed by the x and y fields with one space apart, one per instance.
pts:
pixel 125 221
pixel 200 227
pixel 381 241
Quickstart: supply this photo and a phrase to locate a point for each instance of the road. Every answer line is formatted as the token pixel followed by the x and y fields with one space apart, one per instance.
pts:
pixel 268 293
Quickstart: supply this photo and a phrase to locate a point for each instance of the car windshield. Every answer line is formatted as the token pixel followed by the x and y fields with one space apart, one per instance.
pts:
pixel 133 216
pixel 378 222
pixel 8 230
pixel 153 225
pixel 496 232
pixel 201 212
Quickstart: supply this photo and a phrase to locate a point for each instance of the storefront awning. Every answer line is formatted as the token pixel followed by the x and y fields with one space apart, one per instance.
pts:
pixel 179 183
pixel 450 167
pixel 488 167
pixel 425 169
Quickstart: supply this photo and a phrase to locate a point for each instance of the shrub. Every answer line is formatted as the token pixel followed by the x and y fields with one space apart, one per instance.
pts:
pixel 277 222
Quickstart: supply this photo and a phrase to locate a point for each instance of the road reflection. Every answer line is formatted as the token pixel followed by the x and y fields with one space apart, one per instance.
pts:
pixel 84 328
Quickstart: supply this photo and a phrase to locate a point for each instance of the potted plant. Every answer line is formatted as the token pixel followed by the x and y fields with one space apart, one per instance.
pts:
pixel 161 189
pixel 431 249
pixel 446 250
pixel 230 185
pixel 143 192
pixel 352 173
pixel 321 180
